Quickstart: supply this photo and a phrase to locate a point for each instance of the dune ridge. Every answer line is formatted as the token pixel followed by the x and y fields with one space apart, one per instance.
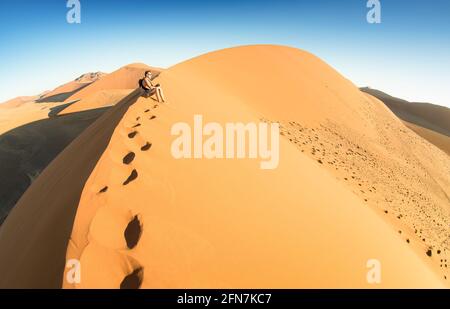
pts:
pixel 34 237
pixel 428 120
pixel 32 132
pixel 61 93
pixel 124 78
pixel 353 184
pixel 99 99
pixel 192 234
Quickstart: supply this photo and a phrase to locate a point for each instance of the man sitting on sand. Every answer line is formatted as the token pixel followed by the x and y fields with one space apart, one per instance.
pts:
pixel 150 89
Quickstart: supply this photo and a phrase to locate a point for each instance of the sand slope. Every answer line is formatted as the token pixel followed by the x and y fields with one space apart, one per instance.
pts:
pixel 126 77
pixel 27 149
pixel 224 223
pixel 351 176
pixel 61 93
pixel 17 102
pixel 32 135
pixel 426 115
pixel 101 98
pixel 429 121
pixel 26 112
pixel 440 140
pixel 34 237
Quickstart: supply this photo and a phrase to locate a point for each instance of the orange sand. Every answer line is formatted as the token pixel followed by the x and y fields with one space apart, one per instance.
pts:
pixel 97 99
pixel 225 223
pixel 62 92
pixel 126 77
pixel 351 176
pixel 440 140
pixel 26 112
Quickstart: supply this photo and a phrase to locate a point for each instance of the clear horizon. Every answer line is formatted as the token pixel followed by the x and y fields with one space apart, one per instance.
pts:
pixel 406 56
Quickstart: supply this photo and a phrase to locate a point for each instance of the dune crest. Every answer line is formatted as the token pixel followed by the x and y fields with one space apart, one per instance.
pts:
pixel 99 99
pixel 126 77
pixel 193 234
pixel 61 93
pixel 353 184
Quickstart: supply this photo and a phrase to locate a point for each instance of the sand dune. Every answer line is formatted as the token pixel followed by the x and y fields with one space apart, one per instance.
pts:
pixel 23 110
pixel 32 135
pixel 353 184
pixel 426 115
pixel 26 112
pixel 97 99
pixel 61 93
pixel 126 77
pixel 439 140
pixel 432 122
pixel 41 222
pixel 17 102
pixel 27 149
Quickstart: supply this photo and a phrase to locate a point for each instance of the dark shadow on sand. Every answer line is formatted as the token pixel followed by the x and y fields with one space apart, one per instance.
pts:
pixel 61 97
pixel 26 150
pixel 35 236
pixel 54 111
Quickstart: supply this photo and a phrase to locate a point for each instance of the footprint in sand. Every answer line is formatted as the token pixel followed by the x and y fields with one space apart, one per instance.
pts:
pixel 146 111
pixel 132 134
pixel 146 147
pixel 103 190
pixel 152 117
pixel 136 125
pixel 128 158
pixel 133 232
pixel 133 176
pixel 133 280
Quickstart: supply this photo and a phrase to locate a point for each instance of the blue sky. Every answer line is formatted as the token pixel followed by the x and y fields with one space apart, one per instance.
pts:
pixel 407 55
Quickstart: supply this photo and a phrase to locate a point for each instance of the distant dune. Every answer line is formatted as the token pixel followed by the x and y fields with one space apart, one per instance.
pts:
pixel 31 134
pixel 101 98
pixel 353 184
pixel 16 102
pixel 63 92
pixel 426 115
pixel 432 122
pixel 126 77
pixel 440 140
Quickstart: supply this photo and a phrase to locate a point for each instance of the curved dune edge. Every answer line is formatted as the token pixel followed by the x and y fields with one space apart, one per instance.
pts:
pixel 439 140
pixel 23 114
pixel 225 223
pixel 283 231
pixel 101 98
pixel 34 237
pixel 126 77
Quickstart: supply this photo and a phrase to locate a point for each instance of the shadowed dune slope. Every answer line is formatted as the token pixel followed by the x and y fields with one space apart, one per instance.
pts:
pixel 61 93
pixel 27 112
pixel 226 223
pixel 26 150
pixel 34 237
